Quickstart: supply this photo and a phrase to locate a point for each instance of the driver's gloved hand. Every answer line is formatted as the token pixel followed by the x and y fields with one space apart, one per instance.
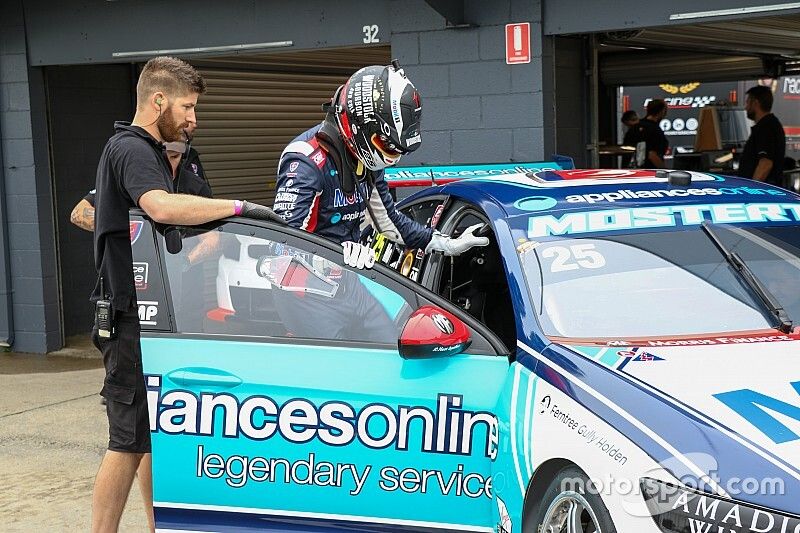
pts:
pixel 450 246
pixel 259 212
pixel 357 255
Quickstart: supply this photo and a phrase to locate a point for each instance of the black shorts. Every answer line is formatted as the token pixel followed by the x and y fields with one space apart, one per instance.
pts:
pixel 124 387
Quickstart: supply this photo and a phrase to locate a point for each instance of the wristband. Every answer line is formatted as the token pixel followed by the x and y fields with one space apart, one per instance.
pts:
pixel 237 207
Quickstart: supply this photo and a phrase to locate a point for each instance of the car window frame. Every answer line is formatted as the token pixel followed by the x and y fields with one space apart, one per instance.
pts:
pixel 433 261
pixel 332 251
pixel 433 268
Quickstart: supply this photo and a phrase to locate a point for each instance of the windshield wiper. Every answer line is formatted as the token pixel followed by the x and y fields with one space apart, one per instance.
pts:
pixel 740 267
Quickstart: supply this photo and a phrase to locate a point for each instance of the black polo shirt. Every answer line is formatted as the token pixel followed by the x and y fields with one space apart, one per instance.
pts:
pixel 653 136
pixel 187 182
pixel 767 139
pixel 132 163
pixel 192 162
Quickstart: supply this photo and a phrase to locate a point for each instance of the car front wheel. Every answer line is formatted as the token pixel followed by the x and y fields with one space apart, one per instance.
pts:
pixel 569 505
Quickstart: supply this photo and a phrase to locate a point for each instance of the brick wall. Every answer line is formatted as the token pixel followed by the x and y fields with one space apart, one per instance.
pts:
pixel 476 109
pixel 27 188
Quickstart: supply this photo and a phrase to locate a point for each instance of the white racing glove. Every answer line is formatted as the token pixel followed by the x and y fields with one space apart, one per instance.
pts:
pixel 357 255
pixel 450 246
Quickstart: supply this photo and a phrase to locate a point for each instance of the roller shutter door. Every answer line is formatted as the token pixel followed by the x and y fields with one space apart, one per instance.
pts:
pixel 250 113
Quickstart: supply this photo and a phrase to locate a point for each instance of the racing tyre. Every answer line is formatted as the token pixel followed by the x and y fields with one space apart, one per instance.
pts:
pixel 568 507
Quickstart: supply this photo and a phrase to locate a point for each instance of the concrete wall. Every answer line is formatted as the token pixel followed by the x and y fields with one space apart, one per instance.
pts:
pixel 23 133
pixel 476 108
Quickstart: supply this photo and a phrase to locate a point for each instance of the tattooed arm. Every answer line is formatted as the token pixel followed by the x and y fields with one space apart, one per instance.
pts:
pixel 83 215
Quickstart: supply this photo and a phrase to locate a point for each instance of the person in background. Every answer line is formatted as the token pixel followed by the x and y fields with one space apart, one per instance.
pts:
pixel 763 155
pixel 630 119
pixel 649 132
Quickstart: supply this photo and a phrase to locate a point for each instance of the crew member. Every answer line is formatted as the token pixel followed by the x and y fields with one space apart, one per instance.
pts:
pixel 630 120
pixel 649 132
pixel 765 149
pixel 133 171
pixel 187 171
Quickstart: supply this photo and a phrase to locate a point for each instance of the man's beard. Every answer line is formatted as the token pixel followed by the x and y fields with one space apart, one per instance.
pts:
pixel 751 114
pixel 169 128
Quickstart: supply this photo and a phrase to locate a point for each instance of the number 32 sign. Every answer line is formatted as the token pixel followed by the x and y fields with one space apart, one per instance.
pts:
pixel 370 34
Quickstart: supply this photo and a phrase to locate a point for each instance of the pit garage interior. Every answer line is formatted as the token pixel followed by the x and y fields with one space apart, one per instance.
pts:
pixel 255 104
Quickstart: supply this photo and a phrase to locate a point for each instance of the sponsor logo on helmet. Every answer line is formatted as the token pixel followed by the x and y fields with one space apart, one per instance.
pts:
pixel 360 98
pixel 416 139
pixel 293 166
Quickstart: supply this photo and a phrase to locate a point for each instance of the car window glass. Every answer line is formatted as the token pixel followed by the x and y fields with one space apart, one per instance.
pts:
pixel 638 285
pixel 234 282
pixel 422 212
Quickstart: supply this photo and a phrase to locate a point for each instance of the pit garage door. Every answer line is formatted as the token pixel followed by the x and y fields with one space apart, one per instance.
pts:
pixel 256 104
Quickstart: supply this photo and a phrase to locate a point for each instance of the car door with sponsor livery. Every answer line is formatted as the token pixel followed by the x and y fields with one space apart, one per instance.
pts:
pixel 279 398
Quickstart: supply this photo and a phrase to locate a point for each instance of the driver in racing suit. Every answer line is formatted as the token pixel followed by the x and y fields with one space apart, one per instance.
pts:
pixel 330 178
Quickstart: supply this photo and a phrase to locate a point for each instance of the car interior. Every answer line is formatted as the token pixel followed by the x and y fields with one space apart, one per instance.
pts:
pixel 476 282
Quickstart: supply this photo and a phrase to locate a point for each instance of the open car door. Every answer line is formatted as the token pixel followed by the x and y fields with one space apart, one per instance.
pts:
pixel 281 398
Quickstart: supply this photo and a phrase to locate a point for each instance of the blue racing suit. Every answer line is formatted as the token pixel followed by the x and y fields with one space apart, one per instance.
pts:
pixel 309 196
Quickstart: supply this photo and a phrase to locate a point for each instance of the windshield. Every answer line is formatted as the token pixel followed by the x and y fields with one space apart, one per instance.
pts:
pixel 662 283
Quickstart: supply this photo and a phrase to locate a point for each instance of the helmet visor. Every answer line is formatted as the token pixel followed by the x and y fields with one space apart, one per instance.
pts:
pixel 386 146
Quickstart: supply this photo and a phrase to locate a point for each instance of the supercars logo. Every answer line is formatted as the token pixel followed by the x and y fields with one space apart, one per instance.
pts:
pixel 443 323
pixel 136 230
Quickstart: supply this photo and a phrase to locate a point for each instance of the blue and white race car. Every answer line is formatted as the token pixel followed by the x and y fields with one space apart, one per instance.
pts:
pixel 621 357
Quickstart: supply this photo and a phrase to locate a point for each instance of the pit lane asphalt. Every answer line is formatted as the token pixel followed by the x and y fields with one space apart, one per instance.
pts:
pixel 53 433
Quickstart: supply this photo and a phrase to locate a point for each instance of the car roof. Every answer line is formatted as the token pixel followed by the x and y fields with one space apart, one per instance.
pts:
pixel 554 191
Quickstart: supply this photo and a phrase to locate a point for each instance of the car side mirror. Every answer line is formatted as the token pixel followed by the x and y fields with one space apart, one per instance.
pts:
pixel 432 332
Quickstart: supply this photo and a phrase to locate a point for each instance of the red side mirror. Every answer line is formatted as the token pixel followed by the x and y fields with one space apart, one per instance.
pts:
pixel 431 332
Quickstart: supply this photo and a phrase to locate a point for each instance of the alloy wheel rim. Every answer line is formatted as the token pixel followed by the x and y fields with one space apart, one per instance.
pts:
pixel 570 513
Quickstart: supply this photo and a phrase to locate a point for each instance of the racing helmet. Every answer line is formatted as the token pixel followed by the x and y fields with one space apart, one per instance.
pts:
pixel 378 114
